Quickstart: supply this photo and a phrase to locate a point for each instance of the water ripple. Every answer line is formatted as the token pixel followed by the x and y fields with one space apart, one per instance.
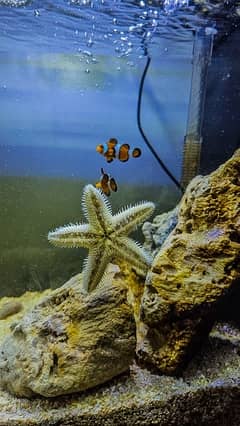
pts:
pixel 124 28
pixel 14 3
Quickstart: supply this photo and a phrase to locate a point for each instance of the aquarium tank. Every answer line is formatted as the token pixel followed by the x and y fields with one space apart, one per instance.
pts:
pixel 75 74
pixel 111 110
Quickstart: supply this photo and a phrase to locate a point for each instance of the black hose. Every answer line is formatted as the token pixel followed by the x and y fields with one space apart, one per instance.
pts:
pixel 155 154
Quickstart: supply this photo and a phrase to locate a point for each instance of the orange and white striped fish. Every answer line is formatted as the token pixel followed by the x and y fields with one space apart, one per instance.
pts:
pixel 111 151
pixel 107 183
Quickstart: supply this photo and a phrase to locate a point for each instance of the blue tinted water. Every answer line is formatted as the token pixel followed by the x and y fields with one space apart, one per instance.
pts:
pixel 69 79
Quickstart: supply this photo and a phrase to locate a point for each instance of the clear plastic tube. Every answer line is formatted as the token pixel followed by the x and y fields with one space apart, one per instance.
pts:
pixel 202 53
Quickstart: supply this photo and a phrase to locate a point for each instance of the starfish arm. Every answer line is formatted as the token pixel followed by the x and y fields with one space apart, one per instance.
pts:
pixel 95 266
pixel 73 236
pixel 97 209
pixel 127 249
pixel 105 236
pixel 127 220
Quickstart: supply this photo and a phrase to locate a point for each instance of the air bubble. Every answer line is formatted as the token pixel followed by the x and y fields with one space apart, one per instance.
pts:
pixel 131 28
pixel 87 53
pixel 171 5
pixel 90 42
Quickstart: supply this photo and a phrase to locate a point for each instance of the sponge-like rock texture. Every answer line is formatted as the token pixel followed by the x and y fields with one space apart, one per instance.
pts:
pixel 198 264
pixel 69 342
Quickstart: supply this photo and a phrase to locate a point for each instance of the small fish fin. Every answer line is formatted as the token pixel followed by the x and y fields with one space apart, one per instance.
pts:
pixel 113 185
pixel 136 152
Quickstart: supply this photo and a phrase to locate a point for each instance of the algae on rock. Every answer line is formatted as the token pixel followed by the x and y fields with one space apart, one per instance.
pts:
pixel 196 267
pixel 69 342
pixel 207 394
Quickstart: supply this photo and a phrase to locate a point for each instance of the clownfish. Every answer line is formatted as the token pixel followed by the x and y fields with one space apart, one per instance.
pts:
pixel 106 183
pixel 110 151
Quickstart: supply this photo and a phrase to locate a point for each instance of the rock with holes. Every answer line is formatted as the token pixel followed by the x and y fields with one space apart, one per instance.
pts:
pixel 70 341
pixel 197 266
pixel 155 233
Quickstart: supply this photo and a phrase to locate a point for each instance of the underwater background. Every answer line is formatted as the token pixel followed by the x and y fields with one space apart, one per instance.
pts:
pixel 70 78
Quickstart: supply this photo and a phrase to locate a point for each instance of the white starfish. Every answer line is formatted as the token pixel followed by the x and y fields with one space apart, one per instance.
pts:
pixel 105 236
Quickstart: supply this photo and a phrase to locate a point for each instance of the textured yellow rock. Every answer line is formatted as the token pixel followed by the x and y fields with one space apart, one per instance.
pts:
pixel 69 342
pixel 196 267
pixel 9 308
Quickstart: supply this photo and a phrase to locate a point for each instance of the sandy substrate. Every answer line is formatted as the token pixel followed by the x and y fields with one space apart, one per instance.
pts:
pixel 207 393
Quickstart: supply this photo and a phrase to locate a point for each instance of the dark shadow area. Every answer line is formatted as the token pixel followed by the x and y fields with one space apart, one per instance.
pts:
pixel 221 125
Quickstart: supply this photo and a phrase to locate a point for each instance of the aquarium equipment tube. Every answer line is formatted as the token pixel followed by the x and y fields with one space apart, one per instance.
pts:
pixel 202 53
pixel 140 128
